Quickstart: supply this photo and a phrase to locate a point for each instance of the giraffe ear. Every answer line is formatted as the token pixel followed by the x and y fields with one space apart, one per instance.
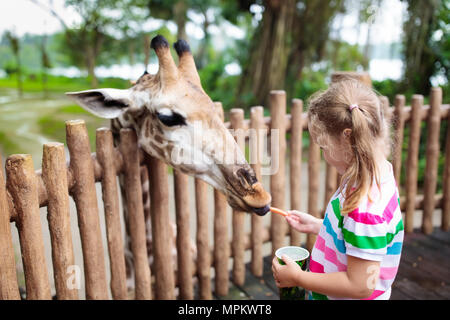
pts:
pixel 104 103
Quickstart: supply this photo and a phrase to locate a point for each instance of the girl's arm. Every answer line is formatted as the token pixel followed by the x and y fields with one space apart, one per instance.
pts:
pixel 358 282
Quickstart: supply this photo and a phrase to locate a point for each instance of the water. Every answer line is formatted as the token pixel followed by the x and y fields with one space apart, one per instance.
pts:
pixel 381 69
pixel 29 122
pixel 295 253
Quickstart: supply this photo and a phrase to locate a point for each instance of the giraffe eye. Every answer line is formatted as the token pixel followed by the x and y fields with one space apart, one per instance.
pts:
pixel 171 118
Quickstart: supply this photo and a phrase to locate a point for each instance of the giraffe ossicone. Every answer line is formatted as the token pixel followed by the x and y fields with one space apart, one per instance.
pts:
pixel 176 122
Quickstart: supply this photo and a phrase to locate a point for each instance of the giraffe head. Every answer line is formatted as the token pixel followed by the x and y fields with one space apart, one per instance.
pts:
pixel 178 123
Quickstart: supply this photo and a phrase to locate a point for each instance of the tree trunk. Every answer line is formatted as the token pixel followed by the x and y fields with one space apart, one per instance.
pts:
pixel 201 56
pixel 90 64
pixel 19 75
pixel 180 16
pixel 146 50
pixel 266 69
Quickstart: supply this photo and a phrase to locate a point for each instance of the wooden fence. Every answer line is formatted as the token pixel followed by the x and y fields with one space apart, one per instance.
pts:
pixel 25 190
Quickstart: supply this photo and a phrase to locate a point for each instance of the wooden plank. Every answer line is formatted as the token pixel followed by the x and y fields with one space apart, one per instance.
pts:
pixel 238 217
pixel 443 236
pixel 234 293
pixel 438 239
pixel 9 288
pixel 432 158
pixel 418 202
pixel 445 225
pixel 426 263
pixel 54 175
pixel 399 125
pixel 256 288
pixel 424 253
pixel 22 185
pixel 295 160
pixel 445 111
pixel 105 157
pixel 277 99
pixel 184 256
pixel 364 77
pixel 417 291
pixel 135 210
pixel 419 264
pixel 412 161
pixel 222 250
pixel 268 276
pixel 399 293
pixel 42 192
pixel 85 197
pixel 256 153
pixel 202 237
pixel 162 263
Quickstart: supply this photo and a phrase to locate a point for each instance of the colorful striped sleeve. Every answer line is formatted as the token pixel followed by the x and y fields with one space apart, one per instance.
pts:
pixel 365 235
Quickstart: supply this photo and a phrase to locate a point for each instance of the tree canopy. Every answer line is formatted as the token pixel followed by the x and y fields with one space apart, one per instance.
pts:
pixel 291 44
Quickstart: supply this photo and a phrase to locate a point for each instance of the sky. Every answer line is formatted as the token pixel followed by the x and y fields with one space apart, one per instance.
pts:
pixel 23 16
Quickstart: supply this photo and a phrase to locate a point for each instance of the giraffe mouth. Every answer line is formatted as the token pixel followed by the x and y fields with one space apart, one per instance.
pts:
pixel 238 204
pixel 261 211
pixel 244 191
pixel 251 201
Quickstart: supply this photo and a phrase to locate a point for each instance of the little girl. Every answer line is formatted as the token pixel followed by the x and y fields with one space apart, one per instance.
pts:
pixel 359 241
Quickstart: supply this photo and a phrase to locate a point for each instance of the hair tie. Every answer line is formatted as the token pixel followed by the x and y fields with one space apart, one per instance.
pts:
pixel 353 106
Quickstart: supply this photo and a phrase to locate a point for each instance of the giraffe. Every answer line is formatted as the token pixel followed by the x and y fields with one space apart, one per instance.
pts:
pixel 176 122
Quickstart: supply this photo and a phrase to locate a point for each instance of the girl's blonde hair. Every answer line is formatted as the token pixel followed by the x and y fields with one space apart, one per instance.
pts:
pixel 330 113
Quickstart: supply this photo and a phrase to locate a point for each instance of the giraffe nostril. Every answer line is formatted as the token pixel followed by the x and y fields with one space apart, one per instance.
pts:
pixel 246 177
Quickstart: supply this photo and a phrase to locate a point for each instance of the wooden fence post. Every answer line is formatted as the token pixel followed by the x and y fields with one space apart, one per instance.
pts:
pixel 203 253
pixel 185 264
pixel 446 184
pixel 313 186
pixel 399 125
pixel 296 162
pixel 256 151
pixel 364 77
pixel 159 208
pixel 432 158
pixel 9 288
pixel 22 185
pixel 221 246
pixel 54 175
pixel 85 197
pixel 106 157
pixel 135 210
pixel 386 109
pixel 238 217
pixel 277 180
pixel 412 160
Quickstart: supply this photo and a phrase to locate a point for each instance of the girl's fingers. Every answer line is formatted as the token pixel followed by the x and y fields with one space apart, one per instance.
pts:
pixel 292 220
pixel 294 213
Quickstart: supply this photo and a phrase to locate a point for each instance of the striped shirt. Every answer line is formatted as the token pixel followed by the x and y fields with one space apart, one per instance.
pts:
pixel 373 231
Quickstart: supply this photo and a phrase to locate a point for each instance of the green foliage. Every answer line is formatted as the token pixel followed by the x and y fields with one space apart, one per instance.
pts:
pixel 61 84
pixel 426 43
pixel 388 88
pixel 311 81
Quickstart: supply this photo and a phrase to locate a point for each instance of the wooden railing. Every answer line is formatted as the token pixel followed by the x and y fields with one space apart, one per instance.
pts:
pixel 25 190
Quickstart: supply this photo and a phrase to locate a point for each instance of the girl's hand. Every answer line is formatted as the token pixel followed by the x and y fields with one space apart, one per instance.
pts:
pixel 304 222
pixel 286 275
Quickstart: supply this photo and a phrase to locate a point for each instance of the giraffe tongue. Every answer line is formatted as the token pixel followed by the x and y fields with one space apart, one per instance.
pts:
pixel 261 211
